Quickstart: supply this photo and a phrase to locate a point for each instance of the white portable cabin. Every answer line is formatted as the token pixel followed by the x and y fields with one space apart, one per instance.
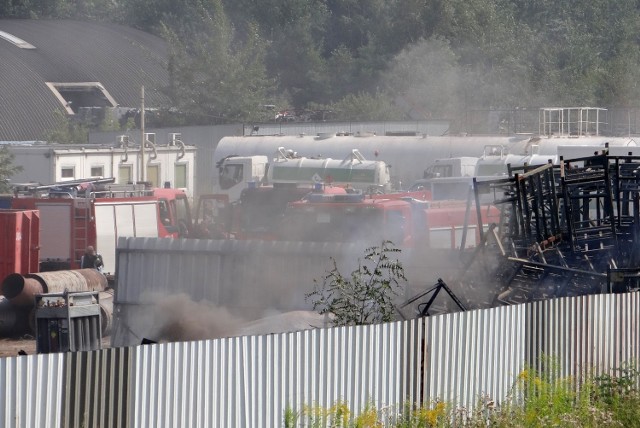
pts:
pixel 51 163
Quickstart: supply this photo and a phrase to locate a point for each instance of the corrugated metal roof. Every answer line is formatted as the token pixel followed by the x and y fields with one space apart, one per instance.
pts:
pixel 122 59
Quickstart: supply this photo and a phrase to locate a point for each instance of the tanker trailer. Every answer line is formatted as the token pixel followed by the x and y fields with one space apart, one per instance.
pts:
pixel 409 156
pixel 287 169
pixel 406 156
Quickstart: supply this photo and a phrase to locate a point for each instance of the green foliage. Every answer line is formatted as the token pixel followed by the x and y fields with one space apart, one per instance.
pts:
pixel 214 78
pixel 7 168
pixel 66 130
pixel 619 391
pixel 412 78
pixel 439 59
pixel 537 400
pixel 60 9
pixel 366 296
pixel 290 418
pixel 364 107
pixel 542 399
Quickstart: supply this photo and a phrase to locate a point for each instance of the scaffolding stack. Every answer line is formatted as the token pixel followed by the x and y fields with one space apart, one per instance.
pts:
pixel 564 230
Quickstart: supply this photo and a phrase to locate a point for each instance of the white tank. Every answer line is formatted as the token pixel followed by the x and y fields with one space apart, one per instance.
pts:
pixel 549 145
pixel 353 171
pixel 408 156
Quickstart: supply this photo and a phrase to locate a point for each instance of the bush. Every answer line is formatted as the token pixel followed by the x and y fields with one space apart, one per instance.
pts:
pixel 366 296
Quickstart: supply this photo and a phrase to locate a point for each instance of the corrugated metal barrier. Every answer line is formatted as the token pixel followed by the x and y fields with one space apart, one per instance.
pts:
pixel 251 380
pixel 247 278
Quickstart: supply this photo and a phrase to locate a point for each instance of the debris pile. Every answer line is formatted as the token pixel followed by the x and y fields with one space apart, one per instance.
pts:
pixel 565 230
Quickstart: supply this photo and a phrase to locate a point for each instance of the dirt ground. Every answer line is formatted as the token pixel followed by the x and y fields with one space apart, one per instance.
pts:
pixel 11 347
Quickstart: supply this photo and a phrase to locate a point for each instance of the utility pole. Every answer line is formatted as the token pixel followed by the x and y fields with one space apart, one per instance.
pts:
pixel 141 172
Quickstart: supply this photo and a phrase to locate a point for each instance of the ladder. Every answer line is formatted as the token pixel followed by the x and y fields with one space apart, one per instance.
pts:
pixel 82 214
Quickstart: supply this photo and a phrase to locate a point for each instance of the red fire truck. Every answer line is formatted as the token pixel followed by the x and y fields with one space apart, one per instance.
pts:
pixel 95 213
pixel 406 221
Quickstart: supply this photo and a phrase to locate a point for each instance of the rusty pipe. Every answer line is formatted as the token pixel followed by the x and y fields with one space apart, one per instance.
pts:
pixel 22 289
pixel 106 311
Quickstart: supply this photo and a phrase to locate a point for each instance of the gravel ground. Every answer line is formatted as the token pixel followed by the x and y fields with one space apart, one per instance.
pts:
pixel 11 347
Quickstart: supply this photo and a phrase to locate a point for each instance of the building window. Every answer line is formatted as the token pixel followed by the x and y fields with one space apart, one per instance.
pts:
pixel 68 172
pixel 153 175
pixel 97 171
pixel 181 175
pixel 124 174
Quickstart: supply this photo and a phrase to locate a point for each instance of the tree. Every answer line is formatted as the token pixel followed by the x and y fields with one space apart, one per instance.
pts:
pixel 7 169
pixel 366 296
pixel 66 130
pixel 425 77
pixel 214 76
pixel 364 106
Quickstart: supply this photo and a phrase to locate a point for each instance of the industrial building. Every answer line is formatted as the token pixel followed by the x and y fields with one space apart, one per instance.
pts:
pixel 74 67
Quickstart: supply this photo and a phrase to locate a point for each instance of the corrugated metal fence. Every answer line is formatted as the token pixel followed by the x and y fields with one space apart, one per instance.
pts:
pixel 249 381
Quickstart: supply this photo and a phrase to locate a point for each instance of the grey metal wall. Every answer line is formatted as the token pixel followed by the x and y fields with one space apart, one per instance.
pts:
pixel 250 380
pixel 247 278
pixel 586 333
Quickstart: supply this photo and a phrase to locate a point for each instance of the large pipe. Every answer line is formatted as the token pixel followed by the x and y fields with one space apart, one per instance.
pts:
pixel 22 289
pixel 106 311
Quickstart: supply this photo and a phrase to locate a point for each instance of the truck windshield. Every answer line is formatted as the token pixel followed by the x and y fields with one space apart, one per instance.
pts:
pixel 182 210
pixel 230 175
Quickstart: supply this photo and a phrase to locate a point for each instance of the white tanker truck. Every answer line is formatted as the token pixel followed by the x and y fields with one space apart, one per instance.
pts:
pixel 409 157
pixel 539 151
pixel 237 173
pixel 406 156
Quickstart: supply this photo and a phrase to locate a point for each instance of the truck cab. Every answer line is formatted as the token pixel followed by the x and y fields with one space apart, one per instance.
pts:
pixel 236 173
pixel 174 213
pixel 464 166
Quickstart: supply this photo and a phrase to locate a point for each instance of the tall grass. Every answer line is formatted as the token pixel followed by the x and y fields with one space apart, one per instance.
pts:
pixel 537 399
